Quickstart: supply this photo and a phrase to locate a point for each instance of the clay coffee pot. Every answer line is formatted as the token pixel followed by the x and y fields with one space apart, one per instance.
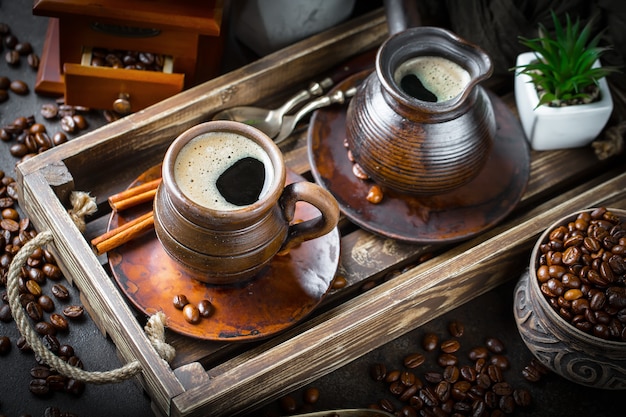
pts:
pixel 421 124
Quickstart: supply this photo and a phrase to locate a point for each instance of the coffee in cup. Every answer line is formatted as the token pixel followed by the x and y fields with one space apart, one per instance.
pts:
pixel 236 171
pixel 431 78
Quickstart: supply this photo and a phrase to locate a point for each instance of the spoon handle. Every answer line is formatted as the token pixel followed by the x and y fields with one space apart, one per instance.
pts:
pixel 315 89
pixel 290 122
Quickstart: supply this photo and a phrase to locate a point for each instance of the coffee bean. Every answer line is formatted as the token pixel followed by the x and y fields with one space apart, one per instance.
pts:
pixel 378 371
pixel 447 359
pixel 34 311
pixel 288 404
pixel 205 308
pixel 450 346
pixel 19 87
pixel 396 388
pixel 23 48
pixel 73 311
pixel 33 60
pixel 311 395
pixel 59 138
pixel 60 292
pixel 38 387
pixel 4 95
pixel 5 82
pixel 66 351
pixel 522 397
pixel 46 303
pixel 44 328
pixel 51 342
pixel 59 322
pixel 500 361
pixel 74 387
pixel 531 373
pixel 68 124
pixel 5 313
pixel 414 360
pixel 180 301
pixel 5 345
pixel 12 57
pixel 375 194
pixel 478 352
pixel 56 382
pixel 495 345
pixel 23 345
pixel 40 372
pixel 430 342
pixel 456 329
pixel 49 111
pixel 191 314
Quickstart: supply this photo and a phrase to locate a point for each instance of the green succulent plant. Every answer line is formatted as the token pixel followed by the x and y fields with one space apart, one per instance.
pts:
pixel 563 71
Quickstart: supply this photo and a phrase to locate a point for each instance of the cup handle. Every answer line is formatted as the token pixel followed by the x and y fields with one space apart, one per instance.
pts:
pixel 313 228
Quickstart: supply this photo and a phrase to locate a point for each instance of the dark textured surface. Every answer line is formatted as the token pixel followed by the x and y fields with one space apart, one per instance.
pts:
pixel 350 386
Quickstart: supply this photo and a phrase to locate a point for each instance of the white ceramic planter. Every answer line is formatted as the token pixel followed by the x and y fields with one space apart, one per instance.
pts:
pixel 550 128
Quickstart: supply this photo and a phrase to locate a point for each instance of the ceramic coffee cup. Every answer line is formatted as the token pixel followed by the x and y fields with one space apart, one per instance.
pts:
pixel 222 209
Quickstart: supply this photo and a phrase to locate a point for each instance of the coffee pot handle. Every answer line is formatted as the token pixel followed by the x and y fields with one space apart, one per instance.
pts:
pixel 313 228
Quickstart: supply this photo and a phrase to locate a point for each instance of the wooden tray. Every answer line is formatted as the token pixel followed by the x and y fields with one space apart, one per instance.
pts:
pixel 224 379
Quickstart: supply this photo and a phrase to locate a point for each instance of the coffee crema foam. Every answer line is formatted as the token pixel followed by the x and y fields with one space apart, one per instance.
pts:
pixel 444 78
pixel 203 159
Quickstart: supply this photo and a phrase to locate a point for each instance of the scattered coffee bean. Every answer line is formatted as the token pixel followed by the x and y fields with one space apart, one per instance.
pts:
pixel 60 292
pixel 5 82
pixel 12 57
pixel 375 194
pixel 339 282
pixel 205 308
pixel 5 345
pixel 191 314
pixel 311 395
pixel 430 342
pixel 414 360
pixel 19 87
pixel 73 311
pixel 180 301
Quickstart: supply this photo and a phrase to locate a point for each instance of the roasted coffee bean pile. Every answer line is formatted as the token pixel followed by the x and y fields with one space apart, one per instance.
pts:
pixel 14 50
pixel 143 61
pixel 582 273
pixel 453 388
pixel 193 313
pixel 29 138
pixel 51 314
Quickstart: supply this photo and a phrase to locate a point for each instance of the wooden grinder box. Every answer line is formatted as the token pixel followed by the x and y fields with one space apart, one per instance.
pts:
pixel 185 32
pixel 223 379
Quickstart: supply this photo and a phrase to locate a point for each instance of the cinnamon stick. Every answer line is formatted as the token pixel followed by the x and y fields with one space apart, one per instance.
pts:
pixel 134 195
pixel 122 234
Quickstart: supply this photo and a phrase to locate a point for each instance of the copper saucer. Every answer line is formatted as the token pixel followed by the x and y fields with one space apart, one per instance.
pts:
pixel 449 217
pixel 281 295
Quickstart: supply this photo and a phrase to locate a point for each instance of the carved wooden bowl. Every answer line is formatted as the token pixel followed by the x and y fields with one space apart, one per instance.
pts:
pixel 576 355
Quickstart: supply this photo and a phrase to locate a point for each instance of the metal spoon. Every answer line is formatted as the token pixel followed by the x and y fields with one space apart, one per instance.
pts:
pixel 270 121
pixel 290 121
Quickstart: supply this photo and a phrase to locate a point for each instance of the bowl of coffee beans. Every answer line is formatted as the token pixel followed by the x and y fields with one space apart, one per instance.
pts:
pixel 570 306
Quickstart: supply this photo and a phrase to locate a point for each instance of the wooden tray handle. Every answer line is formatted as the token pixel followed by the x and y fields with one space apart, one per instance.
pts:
pixel 155 328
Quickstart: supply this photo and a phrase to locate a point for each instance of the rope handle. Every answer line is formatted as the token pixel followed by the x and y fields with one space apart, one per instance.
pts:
pixel 155 328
